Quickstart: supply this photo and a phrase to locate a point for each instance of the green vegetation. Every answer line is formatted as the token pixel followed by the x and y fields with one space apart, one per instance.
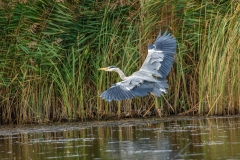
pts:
pixel 50 52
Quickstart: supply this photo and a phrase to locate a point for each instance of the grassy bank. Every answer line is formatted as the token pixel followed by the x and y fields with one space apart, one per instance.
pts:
pixel 51 52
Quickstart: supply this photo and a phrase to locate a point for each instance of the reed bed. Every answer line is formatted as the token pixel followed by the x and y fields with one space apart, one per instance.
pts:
pixel 51 52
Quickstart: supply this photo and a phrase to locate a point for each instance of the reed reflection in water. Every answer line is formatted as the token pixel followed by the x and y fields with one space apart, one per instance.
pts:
pixel 188 138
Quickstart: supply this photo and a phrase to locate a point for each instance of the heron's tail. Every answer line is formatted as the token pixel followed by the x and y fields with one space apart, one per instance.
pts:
pixel 160 87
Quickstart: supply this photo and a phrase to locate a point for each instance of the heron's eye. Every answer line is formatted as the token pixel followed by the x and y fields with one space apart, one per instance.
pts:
pixel 111 67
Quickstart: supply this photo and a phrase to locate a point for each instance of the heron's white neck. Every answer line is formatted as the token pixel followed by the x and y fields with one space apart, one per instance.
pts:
pixel 121 74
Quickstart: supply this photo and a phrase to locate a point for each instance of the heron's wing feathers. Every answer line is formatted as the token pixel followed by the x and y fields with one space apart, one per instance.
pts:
pixel 117 92
pixel 160 56
pixel 127 89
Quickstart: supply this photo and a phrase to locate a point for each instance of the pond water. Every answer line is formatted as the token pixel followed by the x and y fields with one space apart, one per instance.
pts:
pixel 163 138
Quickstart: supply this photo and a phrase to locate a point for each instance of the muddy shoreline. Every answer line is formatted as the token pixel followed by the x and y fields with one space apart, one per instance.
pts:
pixel 66 126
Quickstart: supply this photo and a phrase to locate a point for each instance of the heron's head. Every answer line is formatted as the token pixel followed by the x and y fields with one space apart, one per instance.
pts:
pixel 110 68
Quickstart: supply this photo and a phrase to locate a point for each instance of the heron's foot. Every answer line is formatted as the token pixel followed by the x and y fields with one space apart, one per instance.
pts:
pixel 159 112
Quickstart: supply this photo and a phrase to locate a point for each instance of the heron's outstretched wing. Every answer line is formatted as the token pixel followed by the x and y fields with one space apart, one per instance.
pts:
pixel 160 56
pixel 128 89
pixel 134 87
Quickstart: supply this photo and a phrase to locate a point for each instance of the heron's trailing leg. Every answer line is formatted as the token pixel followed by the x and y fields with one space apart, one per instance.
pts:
pixel 119 109
pixel 158 110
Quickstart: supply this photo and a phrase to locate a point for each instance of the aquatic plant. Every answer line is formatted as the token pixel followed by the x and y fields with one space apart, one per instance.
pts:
pixel 51 50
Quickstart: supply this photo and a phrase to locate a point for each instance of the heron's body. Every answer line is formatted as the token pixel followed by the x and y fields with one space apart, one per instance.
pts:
pixel 151 78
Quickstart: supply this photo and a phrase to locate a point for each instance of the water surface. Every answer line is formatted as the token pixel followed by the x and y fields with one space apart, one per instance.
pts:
pixel 163 138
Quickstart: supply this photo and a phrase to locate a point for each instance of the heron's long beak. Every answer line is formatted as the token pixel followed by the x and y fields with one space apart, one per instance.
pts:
pixel 103 69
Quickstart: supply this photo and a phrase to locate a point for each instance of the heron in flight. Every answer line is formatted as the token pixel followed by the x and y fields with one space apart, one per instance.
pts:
pixel 151 78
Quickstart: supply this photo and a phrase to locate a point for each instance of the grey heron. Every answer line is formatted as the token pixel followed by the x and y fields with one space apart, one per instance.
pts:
pixel 151 78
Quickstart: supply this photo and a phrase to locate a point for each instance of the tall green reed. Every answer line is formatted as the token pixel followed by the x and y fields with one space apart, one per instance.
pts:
pixel 219 64
pixel 28 47
pixel 51 52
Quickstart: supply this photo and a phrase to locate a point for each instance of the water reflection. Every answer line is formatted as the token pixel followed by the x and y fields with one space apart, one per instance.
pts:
pixel 209 138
